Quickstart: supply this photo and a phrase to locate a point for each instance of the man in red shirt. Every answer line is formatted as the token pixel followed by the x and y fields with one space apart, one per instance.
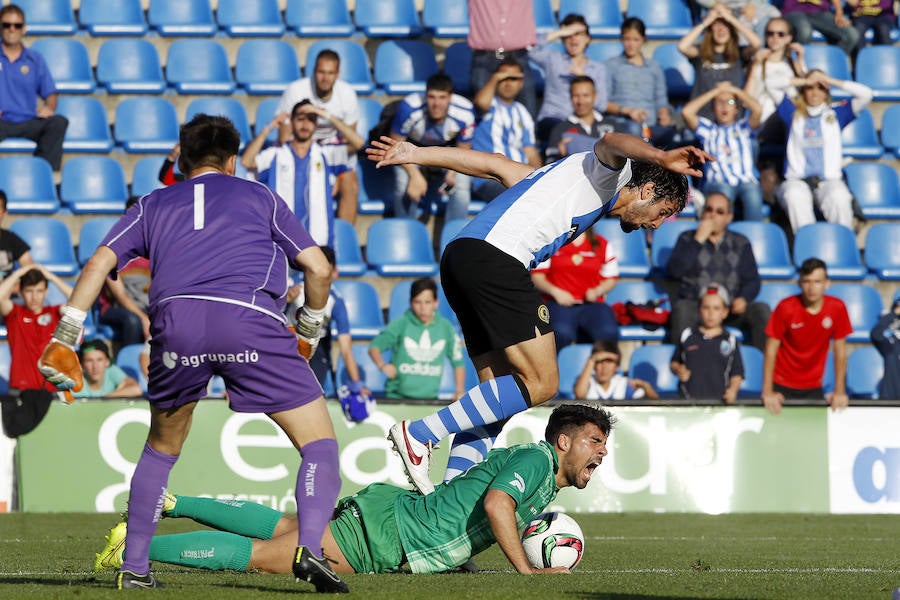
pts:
pixel 798 335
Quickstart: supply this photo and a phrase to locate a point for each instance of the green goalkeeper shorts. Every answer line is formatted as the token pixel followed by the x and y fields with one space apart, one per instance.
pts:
pixel 365 529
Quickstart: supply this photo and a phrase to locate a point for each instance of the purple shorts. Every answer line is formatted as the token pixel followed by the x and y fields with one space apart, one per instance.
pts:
pixel 255 355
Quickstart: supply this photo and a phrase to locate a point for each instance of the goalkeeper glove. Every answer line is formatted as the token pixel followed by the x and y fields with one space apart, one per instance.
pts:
pixel 59 362
pixel 309 330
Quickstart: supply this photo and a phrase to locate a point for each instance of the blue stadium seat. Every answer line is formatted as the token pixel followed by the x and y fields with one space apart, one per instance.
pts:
pixel 5 360
pixel 544 20
pixel 603 18
pixel 863 305
pixel 865 370
pixel 399 302
pixel 93 184
pixel 88 130
pixel 112 17
pixel 677 68
pixel 402 66
pixel 876 187
pixel 651 363
pixel 859 137
pixel 571 360
pixel 446 18
pixel 751 386
pixel 129 360
pixel 69 64
pixel 146 125
pixel 664 240
pixel 245 18
pixel 890 129
pixel 266 66
pixel 372 376
pixel 28 183
pixel 182 18
pixel 319 18
pixel 17 145
pixel 265 112
pixel 363 307
pixel 882 251
pixel 457 64
pixel 226 107
pixel 349 256
pixel 773 292
pixel 449 231
pixel 833 243
pixel 49 17
pixel 387 18
pixel 369 115
pixel 199 67
pixel 91 234
pixel 400 247
pixel 130 66
pixel 831 60
pixel 51 245
pixel 354 63
pixel 146 175
pixel 664 20
pixel 639 292
pixel 630 248
pixel 603 51
pixel 879 68
pixel 770 248
pixel 375 188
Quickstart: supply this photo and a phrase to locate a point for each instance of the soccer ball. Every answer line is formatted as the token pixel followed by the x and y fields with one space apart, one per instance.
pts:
pixel 553 539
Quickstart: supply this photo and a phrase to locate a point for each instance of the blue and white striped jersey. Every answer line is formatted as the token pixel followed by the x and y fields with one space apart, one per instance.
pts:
pixel 507 129
pixel 412 121
pixel 732 146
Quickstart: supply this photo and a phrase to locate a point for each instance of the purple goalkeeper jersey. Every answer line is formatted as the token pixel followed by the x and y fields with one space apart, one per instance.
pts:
pixel 213 237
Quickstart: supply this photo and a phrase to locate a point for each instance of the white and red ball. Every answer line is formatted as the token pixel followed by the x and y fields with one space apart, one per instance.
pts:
pixel 553 539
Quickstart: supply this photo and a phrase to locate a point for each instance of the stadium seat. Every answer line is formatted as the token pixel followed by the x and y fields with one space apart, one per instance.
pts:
pixel 91 234
pixel 651 363
pixel 630 248
pixel 146 125
pixel 373 378
pixel 319 18
pixel 369 115
pixel 112 17
pixel 663 20
pixel 51 245
pixel 571 360
pixel 363 307
pixel 863 305
pixel 457 64
pixel 544 21
pixel 882 252
pixel 265 112
pixel 93 184
pixel 182 18
pixel 865 370
pixel 28 183
pixel 639 292
pixel 145 178
pixel 664 240
pixel 5 360
pixel 69 64
pixel 603 18
pixel 354 63
pixel 199 67
pixel 129 360
pixel 402 66
pixel 266 66
pixel 399 302
pixel 387 18
pixel 890 129
pixel 400 247
pixel 450 230
pixel 677 68
pixel 446 18
pixel 879 68
pixel 130 66
pixel 859 137
pixel 375 188
pixel 833 243
pixel 831 60
pixel 751 386
pixel 226 107
pixel 88 130
pixel 876 187
pixel 770 248
pixel 773 292
pixel 246 18
pixel 49 17
pixel 349 256
pixel 603 51
pixel 17 145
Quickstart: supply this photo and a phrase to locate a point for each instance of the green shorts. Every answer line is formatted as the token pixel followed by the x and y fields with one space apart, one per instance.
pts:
pixel 365 529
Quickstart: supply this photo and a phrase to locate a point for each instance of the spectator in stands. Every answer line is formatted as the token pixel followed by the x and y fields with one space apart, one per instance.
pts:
pixel 298 171
pixel 420 342
pixel 886 339
pixel 25 77
pixel 707 357
pixel 752 13
pixel 13 249
pixel 825 16
pixel 877 15
pixel 574 283
pixel 719 56
pixel 561 69
pixel 501 29
pixel 599 380
pixel 167 172
pixel 437 118
pixel 338 109
pixel 713 253
pixel 638 100
pixel 729 136
pixel 506 127
pixel 814 153
pixel 582 127
pixel 101 378
pixel 799 333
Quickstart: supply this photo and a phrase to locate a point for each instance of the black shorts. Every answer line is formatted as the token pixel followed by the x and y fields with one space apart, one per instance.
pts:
pixel 492 295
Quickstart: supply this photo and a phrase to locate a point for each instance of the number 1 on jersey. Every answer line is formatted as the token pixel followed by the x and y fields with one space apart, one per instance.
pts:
pixel 199 207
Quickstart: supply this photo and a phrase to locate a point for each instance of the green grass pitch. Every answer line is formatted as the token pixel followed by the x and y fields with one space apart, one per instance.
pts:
pixel 626 556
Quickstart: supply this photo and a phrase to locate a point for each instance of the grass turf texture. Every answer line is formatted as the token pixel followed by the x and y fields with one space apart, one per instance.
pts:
pixel 626 556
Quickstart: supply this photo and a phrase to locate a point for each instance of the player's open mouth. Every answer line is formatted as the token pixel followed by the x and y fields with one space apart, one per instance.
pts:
pixel 589 470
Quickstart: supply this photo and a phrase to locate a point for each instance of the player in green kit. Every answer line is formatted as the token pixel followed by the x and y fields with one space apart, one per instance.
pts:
pixel 383 527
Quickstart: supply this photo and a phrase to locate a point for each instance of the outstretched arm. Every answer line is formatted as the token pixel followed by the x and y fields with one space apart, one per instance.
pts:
pixel 614 148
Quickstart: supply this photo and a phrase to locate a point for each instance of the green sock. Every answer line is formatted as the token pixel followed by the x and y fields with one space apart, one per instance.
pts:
pixel 214 550
pixel 236 516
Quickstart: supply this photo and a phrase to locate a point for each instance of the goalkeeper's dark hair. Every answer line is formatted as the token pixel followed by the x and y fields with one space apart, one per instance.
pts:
pixel 667 185
pixel 568 418
pixel 32 277
pixel 207 141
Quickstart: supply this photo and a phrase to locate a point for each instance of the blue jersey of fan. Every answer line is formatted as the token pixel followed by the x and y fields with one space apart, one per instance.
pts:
pixel 550 207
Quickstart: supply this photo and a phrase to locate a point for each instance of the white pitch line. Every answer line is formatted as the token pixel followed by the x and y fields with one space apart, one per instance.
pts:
pixel 660 538
pixel 740 570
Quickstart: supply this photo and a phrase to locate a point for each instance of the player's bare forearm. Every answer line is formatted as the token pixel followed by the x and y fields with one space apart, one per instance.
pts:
pixel 93 277
pixel 500 509
pixel 316 276
pixel 614 148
